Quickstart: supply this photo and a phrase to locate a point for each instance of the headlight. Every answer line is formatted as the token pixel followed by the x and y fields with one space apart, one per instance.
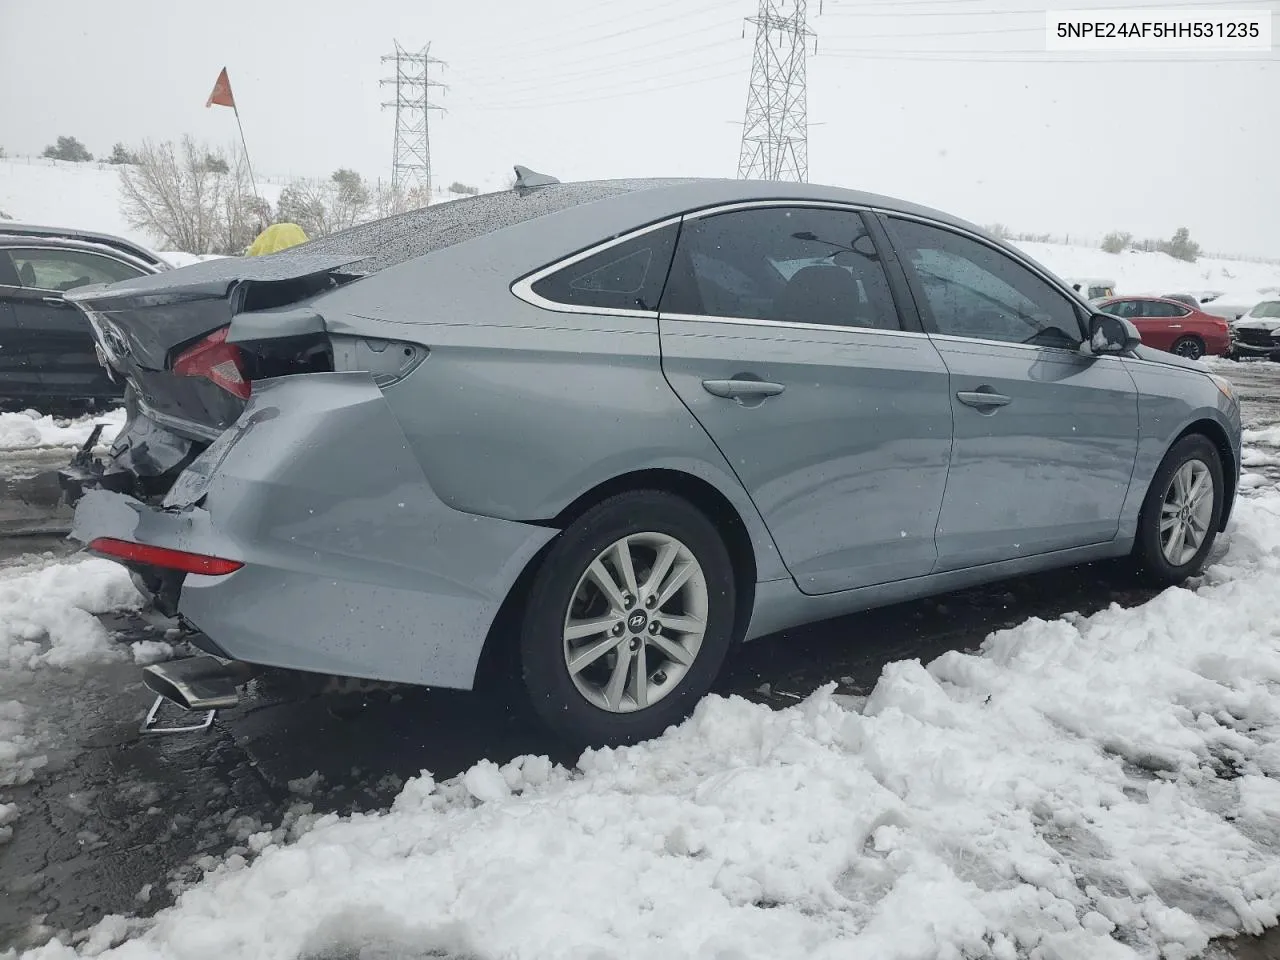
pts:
pixel 1224 387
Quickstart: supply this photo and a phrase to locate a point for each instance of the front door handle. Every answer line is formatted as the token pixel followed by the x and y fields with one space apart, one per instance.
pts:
pixel 983 398
pixel 738 389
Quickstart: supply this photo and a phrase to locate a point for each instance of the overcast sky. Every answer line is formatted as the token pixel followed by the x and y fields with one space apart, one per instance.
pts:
pixel 952 103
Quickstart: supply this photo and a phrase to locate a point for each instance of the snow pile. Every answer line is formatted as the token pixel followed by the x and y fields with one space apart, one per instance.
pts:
pixel 1093 787
pixel 47 615
pixel 31 430
pixel 47 619
pixel 177 258
pixel 1158 273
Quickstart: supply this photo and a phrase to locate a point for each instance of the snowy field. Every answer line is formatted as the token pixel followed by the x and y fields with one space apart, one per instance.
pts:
pixel 1091 788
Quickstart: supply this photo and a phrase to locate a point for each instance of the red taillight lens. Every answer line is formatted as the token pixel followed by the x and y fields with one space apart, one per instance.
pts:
pixel 164 558
pixel 216 360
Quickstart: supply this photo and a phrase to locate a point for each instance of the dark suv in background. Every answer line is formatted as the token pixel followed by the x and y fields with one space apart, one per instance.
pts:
pixel 48 358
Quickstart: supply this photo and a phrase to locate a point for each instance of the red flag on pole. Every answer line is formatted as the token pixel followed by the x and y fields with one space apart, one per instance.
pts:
pixel 222 92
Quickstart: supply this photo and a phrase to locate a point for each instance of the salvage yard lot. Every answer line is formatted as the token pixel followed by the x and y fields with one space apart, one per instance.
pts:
pixel 1100 778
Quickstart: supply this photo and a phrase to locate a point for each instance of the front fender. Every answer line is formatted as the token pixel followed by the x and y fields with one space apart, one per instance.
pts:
pixel 1173 399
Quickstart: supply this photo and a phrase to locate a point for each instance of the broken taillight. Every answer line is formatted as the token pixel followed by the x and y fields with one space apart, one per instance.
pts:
pixel 215 360
pixel 164 558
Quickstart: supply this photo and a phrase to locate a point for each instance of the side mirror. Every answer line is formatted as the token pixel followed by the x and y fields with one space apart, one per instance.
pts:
pixel 1110 334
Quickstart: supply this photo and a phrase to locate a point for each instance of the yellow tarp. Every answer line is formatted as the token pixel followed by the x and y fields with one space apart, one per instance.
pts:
pixel 278 236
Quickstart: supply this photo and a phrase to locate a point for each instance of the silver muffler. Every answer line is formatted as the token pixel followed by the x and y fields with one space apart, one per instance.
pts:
pixel 204 683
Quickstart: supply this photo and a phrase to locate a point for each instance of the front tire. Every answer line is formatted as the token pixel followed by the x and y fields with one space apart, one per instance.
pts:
pixel 628 620
pixel 1181 513
pixel 1190 347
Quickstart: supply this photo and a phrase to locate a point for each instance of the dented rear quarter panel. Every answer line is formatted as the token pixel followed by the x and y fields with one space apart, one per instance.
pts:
pixel 352 565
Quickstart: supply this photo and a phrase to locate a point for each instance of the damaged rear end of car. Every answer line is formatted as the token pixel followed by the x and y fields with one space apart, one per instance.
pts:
pixel 219 494
pixel 279 547
pixel 190 344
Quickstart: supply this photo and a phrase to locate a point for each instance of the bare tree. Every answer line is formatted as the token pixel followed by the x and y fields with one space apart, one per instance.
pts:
pixel 176 194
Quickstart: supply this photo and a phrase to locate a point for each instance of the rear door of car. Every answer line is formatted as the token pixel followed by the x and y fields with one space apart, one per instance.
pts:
pixel 55 334
pixel 1046 435
pixel 781 332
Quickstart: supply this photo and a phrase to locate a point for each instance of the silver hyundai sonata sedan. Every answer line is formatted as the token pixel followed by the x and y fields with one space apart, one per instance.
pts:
pixel 611 430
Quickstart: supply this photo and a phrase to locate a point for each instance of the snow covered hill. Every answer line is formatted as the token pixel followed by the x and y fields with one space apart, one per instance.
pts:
pixel 87 195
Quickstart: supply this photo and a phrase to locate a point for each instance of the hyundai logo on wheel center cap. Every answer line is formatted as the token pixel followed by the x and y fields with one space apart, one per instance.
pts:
pixel 636 621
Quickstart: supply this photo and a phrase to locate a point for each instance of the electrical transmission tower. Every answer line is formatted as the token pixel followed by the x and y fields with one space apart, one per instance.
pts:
pixel 411 163
pixel 775 134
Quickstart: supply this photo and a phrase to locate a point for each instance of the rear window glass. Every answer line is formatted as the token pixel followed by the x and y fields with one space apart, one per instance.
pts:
pixel 385 243
pixel 627 276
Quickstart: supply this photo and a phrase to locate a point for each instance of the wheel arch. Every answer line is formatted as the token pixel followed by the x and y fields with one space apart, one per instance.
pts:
pixel 497 659
pixel 1216 435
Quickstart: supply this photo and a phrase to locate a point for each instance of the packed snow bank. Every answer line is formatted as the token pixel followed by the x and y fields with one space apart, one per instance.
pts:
pixel 1092 787
pixel 176 258
pixel 47 619
pixel 47 615
pixel 31 430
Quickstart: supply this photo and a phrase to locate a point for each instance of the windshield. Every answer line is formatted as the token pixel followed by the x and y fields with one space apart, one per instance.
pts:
pixel 1269 309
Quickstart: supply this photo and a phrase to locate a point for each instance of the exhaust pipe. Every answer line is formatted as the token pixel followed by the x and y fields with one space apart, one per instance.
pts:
pixel 195 683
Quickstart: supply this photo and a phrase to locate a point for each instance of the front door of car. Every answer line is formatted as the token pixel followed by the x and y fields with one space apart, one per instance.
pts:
pixel 1046 435
pixel 56 334
pixel 780 334
pixel 1161 325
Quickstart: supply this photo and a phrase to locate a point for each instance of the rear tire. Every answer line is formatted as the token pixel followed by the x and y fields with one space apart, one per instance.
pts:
pixel 1180 518
pixel 1190 347
pixel 635 560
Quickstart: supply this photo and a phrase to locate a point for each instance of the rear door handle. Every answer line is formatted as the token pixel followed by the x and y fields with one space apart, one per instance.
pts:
pixel 983 398
pixel 54 301
pixel 737 389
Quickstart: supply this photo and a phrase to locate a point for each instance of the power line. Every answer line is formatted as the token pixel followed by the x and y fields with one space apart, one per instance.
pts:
pixel 1161 5
pixel 532 50
pixel 1029 56
pixel 539 82
pixel 685 80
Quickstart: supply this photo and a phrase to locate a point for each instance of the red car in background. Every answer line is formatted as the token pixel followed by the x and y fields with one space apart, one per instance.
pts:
pixel 1172 325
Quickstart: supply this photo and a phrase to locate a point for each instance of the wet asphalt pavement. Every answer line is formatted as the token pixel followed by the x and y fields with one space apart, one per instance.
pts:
pixel 117 822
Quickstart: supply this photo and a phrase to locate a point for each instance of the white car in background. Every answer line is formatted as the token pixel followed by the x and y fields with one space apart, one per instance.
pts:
pixel 1257 333
pixel 1093 288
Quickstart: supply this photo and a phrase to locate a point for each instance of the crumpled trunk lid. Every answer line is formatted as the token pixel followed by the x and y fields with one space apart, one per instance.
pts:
pixel 142 325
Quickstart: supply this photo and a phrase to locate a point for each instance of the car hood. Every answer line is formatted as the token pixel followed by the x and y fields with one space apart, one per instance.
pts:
pixel 1143 352
pixel 1258 323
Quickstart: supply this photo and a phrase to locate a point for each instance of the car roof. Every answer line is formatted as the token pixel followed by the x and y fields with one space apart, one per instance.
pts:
pixel 1144 296
pixel 601 207
pixel 9 228
pixel 10 241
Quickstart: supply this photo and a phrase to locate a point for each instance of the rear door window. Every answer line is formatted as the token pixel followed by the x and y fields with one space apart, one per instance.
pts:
pixel 1164 311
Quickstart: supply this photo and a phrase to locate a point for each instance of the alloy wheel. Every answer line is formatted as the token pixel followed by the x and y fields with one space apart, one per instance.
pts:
pixel 1186 512
pixel 1189 349
pixel 635 622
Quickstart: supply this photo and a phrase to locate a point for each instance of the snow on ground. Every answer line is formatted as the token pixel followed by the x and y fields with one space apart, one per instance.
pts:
pixel 31 430
pixel 1091 788
pixel 47 620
